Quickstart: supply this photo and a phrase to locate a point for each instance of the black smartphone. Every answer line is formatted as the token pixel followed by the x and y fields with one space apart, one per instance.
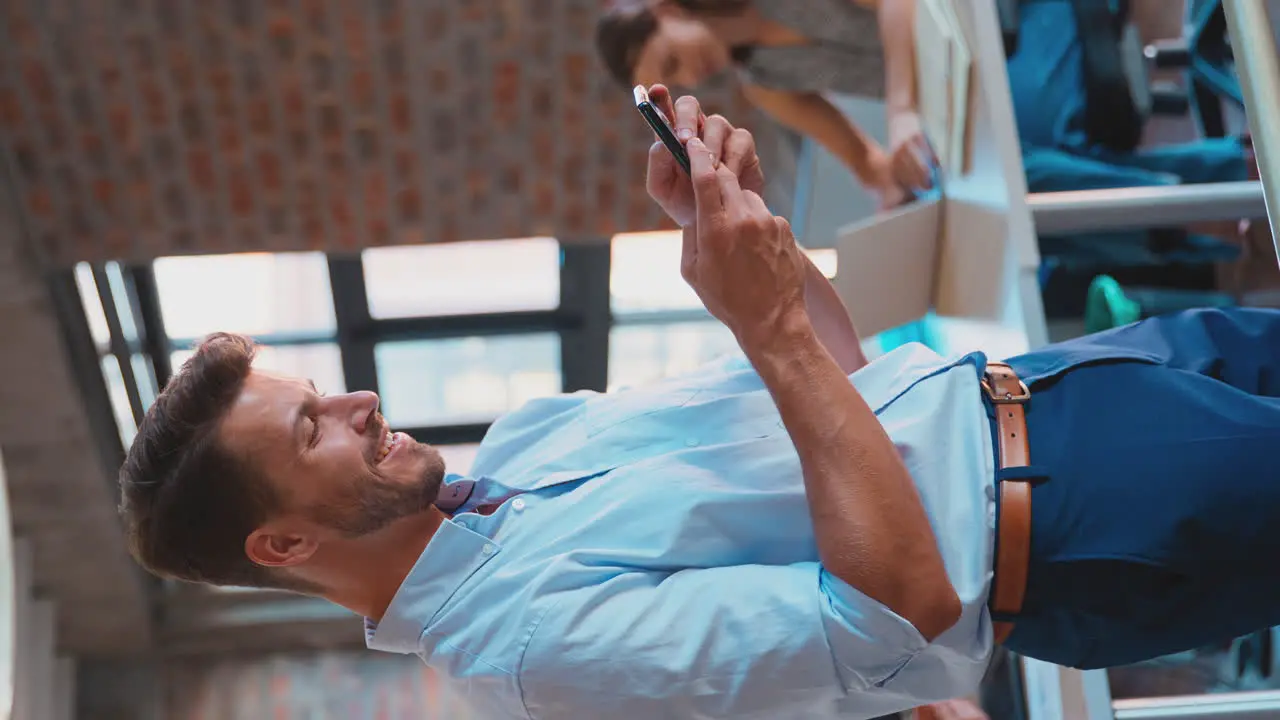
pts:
pixel 658 121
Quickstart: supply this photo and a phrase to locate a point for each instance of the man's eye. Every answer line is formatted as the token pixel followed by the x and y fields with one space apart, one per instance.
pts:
pixel 315 433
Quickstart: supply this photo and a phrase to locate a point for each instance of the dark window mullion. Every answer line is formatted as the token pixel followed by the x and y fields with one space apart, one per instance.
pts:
pixel 449 434
pixel 584 297
pixel 355 326
pixel 445 327
pixel 119 346
pixel 87 369
pixel 155 342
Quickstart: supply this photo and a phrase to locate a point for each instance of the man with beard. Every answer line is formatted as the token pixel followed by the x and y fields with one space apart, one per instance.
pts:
pixel 789 533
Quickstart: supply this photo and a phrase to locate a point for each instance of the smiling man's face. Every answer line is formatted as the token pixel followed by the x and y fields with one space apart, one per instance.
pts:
pixel 331 460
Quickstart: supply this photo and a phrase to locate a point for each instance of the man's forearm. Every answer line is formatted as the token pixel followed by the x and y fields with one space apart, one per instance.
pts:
pixel 898 35
pixel 871 528
pixel 831 320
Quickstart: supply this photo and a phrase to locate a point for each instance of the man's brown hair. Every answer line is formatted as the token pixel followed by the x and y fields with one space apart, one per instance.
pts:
pixel 188 503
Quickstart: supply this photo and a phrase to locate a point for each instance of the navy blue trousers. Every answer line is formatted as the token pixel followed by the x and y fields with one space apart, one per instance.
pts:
pixel 1156 508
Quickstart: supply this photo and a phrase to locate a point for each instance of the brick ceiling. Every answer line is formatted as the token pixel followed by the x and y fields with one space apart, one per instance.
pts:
pixel 139 128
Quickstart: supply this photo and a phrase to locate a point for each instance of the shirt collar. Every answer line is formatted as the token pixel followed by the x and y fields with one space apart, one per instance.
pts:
pixel 452 556
pixel 456 492
pixel 463 494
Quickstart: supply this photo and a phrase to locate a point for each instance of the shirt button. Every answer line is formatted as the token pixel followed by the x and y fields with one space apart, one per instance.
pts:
pixel 517 504
pixel 488 549
pixel 691 442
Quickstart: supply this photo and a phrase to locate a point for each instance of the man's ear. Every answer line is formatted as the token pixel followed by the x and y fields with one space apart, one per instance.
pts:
pixel 278 547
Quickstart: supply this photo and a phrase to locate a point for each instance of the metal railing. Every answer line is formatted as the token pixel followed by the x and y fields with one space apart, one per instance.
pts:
pixel 1221 706
pixel 1253 43
pixel 1144 207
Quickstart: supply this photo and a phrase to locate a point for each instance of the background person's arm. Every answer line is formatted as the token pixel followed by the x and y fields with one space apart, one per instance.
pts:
pixel 815 117
pixel 909 150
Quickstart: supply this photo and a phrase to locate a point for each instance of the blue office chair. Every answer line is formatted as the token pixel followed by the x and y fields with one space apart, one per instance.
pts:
pixel 1168 260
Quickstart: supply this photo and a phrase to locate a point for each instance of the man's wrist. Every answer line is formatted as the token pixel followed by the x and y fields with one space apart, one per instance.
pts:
pixel 781 334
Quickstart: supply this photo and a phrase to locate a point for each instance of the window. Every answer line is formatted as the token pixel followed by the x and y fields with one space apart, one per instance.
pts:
pixel 119 397
pixel 645 274
pixel 463 278
pixel 92 303
pixel 144 373
pixel 256 294
pixel 441 369
pixel 661 327
pixel 137 368
pixel 319 362
pixel 122 298
pixel 465 380
pixel 458 458
pixel 644 353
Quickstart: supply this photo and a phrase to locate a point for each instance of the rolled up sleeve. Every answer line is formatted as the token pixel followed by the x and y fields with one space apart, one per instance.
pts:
pixel 736 642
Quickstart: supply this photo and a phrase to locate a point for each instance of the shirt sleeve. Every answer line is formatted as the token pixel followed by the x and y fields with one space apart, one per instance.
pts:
pixel 735 642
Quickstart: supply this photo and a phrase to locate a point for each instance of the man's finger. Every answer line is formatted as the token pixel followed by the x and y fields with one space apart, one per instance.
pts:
pixel 755 204
pixel 739 151
pixel 715 133
pixel 660 97
pixel 688 118
pixel 688 252
pixel 731 193
pixel 706 184
pixel 662 167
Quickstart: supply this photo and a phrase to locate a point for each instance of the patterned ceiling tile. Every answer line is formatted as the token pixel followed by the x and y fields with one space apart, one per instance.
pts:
pixel 139 128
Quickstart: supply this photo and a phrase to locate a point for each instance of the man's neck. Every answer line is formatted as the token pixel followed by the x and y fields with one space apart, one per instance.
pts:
pixel 371 570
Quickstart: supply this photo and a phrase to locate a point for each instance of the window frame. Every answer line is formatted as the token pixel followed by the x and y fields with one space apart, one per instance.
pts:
pixel 583 320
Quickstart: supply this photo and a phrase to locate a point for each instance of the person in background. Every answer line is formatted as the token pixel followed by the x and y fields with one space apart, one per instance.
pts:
pixel 1080 127
pixel 787 55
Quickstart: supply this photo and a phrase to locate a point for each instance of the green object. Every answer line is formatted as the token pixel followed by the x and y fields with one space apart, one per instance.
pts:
pixel 1107 306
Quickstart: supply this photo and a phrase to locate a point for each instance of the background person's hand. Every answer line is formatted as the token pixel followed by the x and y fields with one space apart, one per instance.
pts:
pixel 667 182
pixel 911 157
pixel 743 262
pixel 884 186
pixel 960 709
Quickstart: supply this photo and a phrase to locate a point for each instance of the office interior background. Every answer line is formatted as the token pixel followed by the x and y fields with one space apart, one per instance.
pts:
pixel 440 201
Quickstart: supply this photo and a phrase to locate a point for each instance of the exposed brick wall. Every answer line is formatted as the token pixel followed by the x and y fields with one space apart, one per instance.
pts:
pixel 140 128
pixel 59 495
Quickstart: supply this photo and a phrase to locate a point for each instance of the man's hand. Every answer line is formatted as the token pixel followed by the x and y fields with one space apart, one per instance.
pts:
pixel 871 530
pixel 742 261
pixel 910 153
pixel 734 147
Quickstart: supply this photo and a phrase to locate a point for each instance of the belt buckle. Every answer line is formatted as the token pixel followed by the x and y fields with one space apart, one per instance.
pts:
pixel 1005 397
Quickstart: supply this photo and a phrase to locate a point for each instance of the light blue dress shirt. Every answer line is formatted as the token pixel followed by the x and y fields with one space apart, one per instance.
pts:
pixel 653 557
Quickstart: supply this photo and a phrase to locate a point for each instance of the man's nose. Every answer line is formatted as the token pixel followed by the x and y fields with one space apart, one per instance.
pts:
pixel 360 407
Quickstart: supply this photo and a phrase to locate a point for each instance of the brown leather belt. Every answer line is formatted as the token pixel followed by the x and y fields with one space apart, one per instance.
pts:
pixel 1013 544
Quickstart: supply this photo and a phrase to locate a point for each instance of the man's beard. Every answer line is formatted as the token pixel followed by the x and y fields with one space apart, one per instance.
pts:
pixel 378 501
